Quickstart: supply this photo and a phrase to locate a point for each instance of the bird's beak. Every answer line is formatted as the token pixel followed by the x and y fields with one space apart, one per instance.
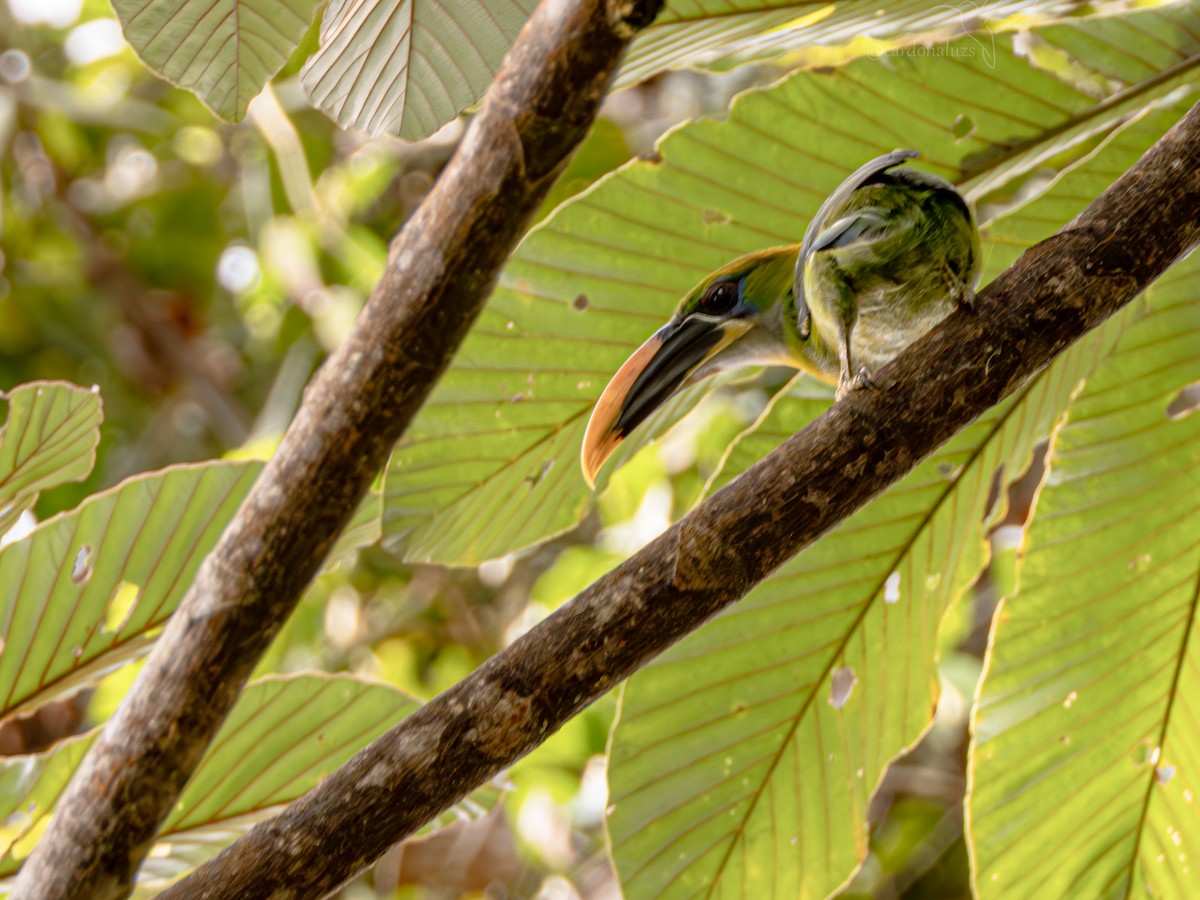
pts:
pixel 673 357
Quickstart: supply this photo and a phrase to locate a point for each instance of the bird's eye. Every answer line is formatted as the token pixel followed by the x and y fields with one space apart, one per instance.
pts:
pixel 719 299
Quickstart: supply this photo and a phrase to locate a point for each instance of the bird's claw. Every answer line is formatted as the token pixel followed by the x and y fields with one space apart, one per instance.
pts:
pixel 961 292
pixel 965 299
pixel 861 381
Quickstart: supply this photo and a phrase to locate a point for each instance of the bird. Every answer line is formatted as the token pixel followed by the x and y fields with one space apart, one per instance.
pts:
pixel 888 255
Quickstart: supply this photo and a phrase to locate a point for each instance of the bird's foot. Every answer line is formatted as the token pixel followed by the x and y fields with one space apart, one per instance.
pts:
pixel 965 298
pixel 861 381
pixel 961 293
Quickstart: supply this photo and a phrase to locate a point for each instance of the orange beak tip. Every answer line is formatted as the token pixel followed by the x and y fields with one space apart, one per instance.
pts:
pixel 600 440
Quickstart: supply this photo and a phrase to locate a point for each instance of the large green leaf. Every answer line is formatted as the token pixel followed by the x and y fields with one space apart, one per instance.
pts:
pixel 721 34
pixel 491 465
pixel 86 590
pixel 739 764
pixel 1085 765
pixel 1145 56
pixel 408 67
pixel 223 51
pixel 743 760
pixel 282 737
pixel 50 438
pixel 30 785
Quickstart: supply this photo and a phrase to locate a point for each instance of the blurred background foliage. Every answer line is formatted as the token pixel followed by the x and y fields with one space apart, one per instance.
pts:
pixel 198 271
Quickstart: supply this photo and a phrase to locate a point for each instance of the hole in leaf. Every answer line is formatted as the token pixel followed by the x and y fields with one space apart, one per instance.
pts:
pixel 841 686
pixel 81 570
pixel 1145 754
pixel 1186 402
pixel 543 470
pixel 891 588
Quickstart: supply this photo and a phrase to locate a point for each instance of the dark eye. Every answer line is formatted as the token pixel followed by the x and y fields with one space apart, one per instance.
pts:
pixel 719 299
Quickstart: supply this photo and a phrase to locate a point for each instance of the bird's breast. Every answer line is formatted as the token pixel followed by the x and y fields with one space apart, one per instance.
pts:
pixel 890 318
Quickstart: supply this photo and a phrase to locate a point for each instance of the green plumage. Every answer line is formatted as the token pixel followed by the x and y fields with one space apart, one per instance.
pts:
pixel 888 256
pixel 896 257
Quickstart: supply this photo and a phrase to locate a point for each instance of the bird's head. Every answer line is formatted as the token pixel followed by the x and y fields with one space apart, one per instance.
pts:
pixel 741 315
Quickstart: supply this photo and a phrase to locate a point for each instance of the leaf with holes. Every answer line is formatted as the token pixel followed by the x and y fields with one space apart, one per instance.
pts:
pixel 283 736
pixel 86 590
pixel 719 34
pixel 408 67
pixel 491 463
pixel 741 757
pixel 744 759
pixel 223 51
pixel 1085 764
pixel 49 439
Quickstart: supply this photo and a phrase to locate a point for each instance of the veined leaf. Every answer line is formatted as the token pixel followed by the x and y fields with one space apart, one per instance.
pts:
pixel 408 67
pixel 491 463
pixel 1146 56
pixel 743 759
pixel 719 34
pixel 282 737
pixel 222 51
pixel 362 530
pixel 30 785
pixel 50 438
pixel 86 589
pixel 1085 763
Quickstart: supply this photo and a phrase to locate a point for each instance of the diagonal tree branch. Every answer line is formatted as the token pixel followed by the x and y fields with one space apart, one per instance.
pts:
pixel 440 270
pixel 1052 296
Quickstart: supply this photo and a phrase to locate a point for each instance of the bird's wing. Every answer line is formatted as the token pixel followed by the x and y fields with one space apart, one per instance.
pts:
pixel 864 225
pixel 816 226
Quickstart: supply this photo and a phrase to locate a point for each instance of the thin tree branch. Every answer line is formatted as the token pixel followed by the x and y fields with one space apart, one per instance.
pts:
pixel 1053 295
pixel 439 272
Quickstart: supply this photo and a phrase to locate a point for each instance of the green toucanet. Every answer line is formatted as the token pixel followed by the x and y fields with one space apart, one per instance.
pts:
pixel 888 255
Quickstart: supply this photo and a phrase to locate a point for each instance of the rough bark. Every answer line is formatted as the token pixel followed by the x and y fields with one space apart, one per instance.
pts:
pixel 1052 296
pixel 440 269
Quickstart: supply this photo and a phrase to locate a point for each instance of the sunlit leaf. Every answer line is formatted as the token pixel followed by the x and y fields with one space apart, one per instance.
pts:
pixel 362 530
pixel 720 34
pixel 30 785
pixel 739 757
pixel 284 735
pixel 223 51
pixel 1085 765
pixel 49 439
pixel 491 464
pixel 744 759
pixel 407 67
pixel 86 590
